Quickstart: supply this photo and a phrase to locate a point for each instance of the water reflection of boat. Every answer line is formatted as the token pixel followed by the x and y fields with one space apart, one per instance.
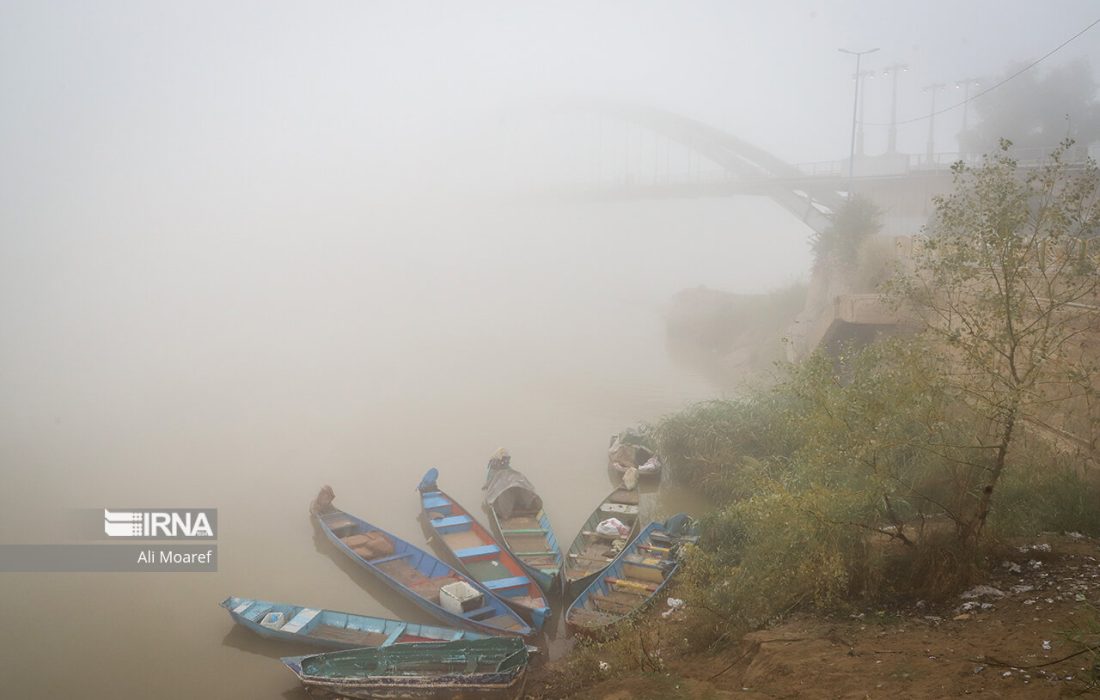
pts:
pixel 430 583
pixel 487 668
pixel 595 547
pixel 633 579
pixel 478 554
pixel 520 521
pixel 333 629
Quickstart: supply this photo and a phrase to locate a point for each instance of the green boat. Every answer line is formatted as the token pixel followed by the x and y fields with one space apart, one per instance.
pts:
pixel 493 668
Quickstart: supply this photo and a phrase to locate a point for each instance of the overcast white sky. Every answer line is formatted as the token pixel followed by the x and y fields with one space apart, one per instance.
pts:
pixel 94 85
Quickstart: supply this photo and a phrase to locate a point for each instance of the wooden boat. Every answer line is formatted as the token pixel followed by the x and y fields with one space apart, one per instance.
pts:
pixel 333 629
pixel 592 551
pixel 521 523
pixel 415 573
pixel 632 580
pixel 483 668
pixel 478 554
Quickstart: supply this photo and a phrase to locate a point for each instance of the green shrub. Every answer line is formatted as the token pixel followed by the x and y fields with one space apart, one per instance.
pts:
pixel 851 480
pixel 1046 493
pixel 633 647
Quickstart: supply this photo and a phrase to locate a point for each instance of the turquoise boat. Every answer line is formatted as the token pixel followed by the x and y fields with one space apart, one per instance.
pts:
pixel 521 523
pixel 416 574
pixel 633 579
pixel 334 629
pixel 478 554
pixel 486 669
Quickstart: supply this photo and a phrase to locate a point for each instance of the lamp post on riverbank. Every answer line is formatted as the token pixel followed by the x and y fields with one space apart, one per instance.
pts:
pixel 893 70
pixel 862 78
pixel 933 89
pixel 855 106
pixel 965 84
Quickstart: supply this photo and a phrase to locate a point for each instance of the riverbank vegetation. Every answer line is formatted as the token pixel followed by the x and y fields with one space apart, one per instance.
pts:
pixel 893 471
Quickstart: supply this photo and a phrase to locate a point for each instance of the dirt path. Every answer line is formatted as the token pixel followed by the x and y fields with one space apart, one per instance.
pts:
pixel 1004 641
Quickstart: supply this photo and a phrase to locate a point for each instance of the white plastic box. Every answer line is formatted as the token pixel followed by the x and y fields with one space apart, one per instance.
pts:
pixel 273 620
pixel 460 597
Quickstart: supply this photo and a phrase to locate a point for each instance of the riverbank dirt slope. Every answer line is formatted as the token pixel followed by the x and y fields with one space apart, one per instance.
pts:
pixel 1016 636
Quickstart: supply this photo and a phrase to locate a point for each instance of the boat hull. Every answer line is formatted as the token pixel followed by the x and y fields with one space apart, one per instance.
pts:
pixel 581 563
pixel 332 629
pixel 476 552
pixel 547 578
pixel 489 669
pixel 400 688
pixel 523 528
pixel 573 587
pixel 410 569
pixel 630 583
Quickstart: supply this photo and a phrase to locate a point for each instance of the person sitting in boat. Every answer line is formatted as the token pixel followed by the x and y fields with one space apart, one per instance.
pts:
pixel 501 459
pixel 323 503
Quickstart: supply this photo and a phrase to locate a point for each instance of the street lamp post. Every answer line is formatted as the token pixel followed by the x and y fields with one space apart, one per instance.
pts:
pixel 855 106
pixel 933 88
pixel 892 70
pixel 966 84
pixel 862 78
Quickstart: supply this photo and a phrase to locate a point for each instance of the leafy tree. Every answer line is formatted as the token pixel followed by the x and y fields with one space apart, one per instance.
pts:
pixel 1008 281
pixel 854 222
pixel 875 471
pixel 1037 111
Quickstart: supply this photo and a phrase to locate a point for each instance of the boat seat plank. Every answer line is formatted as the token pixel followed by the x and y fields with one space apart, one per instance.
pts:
pixel 432 501
pixel 637 584
pixel 504 622
pixel 392 557
pixel 242 607
pixel 600 536
pixel 453 520
pixel 476 551
pixel 303 618
pixel 645 564
pixel 257 611
pixel 501 583
pixel 400 630
pixel 478 612
pixel 525 531
pixel 622 510
pixel 340 634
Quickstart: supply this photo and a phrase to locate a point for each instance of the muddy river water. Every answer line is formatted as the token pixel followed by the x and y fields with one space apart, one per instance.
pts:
pixel 242 369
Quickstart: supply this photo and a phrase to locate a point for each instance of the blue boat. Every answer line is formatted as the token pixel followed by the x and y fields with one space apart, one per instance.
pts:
pixel 633 578
pixel 333 629
pixel 416 574
pixel 478 554
pixel 521 523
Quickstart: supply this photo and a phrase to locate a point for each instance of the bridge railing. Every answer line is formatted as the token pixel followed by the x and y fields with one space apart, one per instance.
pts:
pixel 899 165
pixel 904 163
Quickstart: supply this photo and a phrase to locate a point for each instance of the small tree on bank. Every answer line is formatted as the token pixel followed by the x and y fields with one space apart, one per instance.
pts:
pixel 873 472
pixel 1007 282
pixel 853 223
